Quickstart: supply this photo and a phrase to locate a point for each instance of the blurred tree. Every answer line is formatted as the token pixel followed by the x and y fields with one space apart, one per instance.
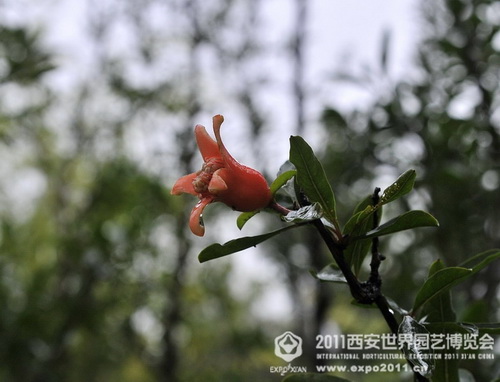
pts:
pixel 66 254
pixel 96 276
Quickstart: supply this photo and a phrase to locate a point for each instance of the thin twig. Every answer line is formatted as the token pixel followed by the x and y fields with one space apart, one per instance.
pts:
pixel 374 279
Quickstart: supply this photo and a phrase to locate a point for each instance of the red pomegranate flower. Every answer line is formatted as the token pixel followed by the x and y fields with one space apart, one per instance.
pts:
pixel 221 179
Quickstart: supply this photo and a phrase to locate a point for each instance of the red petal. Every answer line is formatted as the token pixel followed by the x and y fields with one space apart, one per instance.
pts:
pixel 247 188
pixel 229 161
pixel 196 220
pixel 184 185
pixel 216 184
pixel 237 169
pixel 208 147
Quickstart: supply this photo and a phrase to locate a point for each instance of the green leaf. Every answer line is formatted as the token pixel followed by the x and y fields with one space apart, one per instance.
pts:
pixel 360 216
pixel 358 225
pixel 439 308
pixel 311 177
pixel 440 282
pixel 481 260
pixel 402 186
pixel 244 217
pixel 415 354
pixel 447 278
pixel 408 220
pixel 304 214
pixel 312 377
pixel 281 180
pixel 330 273
pixel 356 253
pixel 216 250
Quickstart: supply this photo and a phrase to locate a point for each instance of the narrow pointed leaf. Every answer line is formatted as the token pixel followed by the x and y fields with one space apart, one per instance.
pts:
pixel 449 277
pixel 311 177
pixel 408 220
pixel 438 309
pixel 481 260
pixel 400 187
pixel 440 282
pixel 216 250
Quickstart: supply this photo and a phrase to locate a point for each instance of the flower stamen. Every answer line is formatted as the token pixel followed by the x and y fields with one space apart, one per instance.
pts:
pixel 204 176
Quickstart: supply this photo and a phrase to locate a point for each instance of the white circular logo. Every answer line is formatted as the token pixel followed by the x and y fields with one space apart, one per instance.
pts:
pixel 288 346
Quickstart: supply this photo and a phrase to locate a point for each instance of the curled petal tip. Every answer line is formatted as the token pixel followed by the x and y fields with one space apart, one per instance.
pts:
pixel 196 219
pixel 217 120
pixel 229 161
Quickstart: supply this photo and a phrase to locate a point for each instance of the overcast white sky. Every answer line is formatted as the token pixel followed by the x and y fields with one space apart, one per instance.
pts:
pixel 340 35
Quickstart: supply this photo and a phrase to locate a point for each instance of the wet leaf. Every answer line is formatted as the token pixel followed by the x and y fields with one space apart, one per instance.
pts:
pixel 330 273
pixel 402 186
pixel 413 351
pixel 304 214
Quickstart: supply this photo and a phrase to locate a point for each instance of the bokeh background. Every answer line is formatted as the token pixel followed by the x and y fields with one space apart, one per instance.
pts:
pixel 99 278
